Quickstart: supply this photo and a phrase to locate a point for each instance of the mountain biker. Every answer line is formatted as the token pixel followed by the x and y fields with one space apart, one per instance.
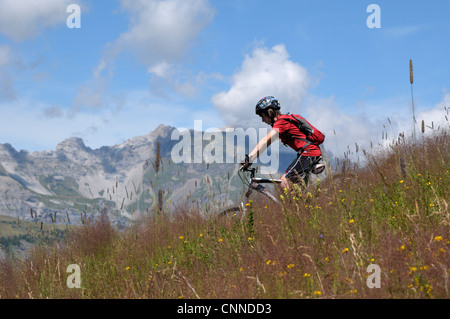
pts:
pixel 268 108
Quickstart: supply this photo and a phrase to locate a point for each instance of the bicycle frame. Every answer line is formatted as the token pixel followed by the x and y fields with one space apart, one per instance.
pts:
pixel 254 183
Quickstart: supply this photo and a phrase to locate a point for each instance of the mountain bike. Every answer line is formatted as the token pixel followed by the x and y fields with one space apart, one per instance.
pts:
pixel 249 179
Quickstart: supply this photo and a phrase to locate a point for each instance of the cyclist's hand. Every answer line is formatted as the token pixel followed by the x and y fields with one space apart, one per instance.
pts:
pixel 244 166
pixel 246 163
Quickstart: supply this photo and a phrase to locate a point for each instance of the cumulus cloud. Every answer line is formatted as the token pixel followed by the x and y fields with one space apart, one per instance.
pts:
pixel 24 19
pixel 438 117
pixel 263 72
pixel 162 31
pixel 159 35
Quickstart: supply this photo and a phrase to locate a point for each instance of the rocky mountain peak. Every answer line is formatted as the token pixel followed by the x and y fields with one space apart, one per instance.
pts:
pixel 72 144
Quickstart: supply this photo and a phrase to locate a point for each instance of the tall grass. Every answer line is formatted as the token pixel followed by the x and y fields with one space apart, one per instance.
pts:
pixel 393 212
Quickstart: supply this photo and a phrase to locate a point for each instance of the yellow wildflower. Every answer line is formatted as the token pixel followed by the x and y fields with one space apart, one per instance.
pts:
pixel 317 293
pixel 351 221
pixel 345 250
pixel 438 238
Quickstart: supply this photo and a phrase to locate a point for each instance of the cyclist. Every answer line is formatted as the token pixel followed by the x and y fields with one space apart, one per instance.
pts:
pixel 308 154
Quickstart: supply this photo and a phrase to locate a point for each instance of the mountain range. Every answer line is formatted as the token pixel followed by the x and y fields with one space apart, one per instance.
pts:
pixel 75 182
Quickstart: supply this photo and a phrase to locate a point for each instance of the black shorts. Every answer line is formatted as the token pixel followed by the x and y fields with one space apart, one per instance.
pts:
pixel 300 168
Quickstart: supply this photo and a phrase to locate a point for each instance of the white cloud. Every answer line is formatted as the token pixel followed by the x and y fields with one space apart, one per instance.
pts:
pixel 161 32
pixel 7 91
pixel 263 72
pixel 438 117
pixel 5 55
pixel 162 69
pixel 343 130
pixel 20 20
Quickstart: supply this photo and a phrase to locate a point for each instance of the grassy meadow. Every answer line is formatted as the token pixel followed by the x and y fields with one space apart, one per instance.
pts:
pixel 393 212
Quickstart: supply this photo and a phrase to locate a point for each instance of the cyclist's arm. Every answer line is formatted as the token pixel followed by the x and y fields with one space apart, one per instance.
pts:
pixel 262 145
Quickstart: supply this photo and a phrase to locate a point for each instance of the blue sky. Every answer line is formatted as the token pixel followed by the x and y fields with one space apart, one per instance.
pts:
pixel 135 64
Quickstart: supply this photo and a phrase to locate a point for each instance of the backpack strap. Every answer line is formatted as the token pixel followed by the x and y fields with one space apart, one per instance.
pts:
pixel 291 136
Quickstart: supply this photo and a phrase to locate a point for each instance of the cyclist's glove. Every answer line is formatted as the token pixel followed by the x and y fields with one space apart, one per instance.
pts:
pixel 246 164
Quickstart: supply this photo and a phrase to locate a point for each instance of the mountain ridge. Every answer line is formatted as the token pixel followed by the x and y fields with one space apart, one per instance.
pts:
pixel 77 180
pixel 75 177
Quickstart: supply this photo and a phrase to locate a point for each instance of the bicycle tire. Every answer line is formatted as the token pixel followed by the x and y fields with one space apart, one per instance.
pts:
pixel 230 210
